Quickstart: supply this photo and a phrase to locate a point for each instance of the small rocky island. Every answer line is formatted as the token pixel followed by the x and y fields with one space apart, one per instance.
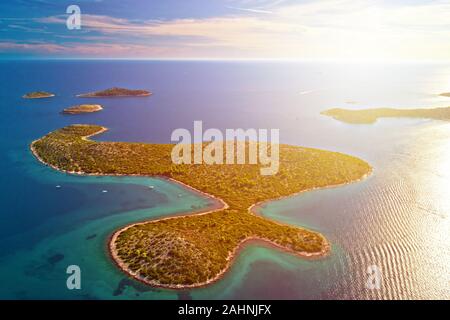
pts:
pixel 445 94
pixel 83 108
pixel 116 92
pixel 38 95
pixel 368 116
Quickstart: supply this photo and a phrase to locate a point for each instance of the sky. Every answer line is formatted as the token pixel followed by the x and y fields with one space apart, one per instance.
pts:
pixel 354 30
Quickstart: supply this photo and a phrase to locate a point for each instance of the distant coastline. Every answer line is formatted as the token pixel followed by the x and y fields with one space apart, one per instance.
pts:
pixel 369 116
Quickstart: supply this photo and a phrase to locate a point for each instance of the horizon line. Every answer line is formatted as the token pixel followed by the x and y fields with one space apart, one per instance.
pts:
pixel 347 61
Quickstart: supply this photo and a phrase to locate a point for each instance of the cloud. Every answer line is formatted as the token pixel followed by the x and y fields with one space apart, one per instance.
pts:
pixel 251 10
pixel 328 29
pixel 27 28
pixel 30 47
pixel 90 50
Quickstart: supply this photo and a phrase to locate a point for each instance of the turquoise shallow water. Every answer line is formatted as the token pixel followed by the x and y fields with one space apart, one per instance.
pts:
pixel 39 268
pixel 396 219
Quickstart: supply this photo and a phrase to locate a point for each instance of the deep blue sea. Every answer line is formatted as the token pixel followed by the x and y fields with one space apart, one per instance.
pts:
pixel 397 219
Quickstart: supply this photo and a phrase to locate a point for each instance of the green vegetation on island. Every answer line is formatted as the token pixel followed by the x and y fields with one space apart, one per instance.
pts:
pixel 83 108
pixel 368 116
pixel 116 92
pixel 38 95
pixel 194 250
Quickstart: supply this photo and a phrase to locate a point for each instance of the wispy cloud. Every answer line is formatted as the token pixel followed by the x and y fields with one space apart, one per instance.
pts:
pixel 24 28
pixel 31 47
pixel 92 50
pixel 251 10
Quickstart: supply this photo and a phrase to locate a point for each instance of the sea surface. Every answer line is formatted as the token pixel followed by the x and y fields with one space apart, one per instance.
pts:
pixel 396 220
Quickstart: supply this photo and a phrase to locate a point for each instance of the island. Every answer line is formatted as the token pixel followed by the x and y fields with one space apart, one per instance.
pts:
pixel 445 94
pixel 369 116
pixel 197 248
pixel 38 95
pixel 115 92
pixel 83 108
